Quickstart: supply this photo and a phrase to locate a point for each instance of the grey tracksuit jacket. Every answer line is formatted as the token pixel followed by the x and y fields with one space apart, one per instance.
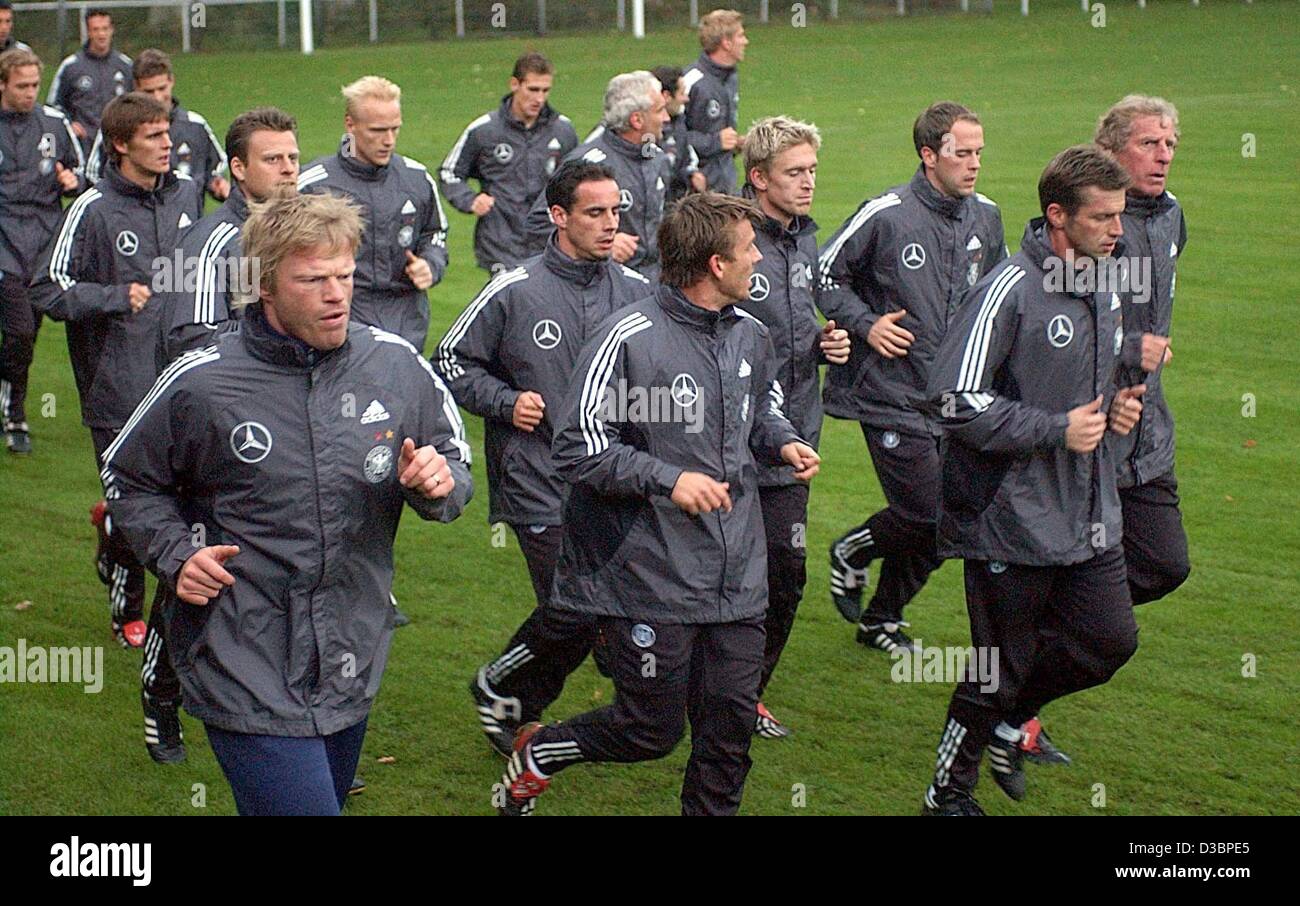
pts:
pixel 210 255
pixel 524 331
pixel 1153 229
pixel 403 212
pixel 512 164
pixel 196 153
pixel 30 146
pixel 1015 360
pixel 111 237
pixel 244 441
pixel 84 84
pixel 643 174
pixel 663 387
pixel 911 248
pixel 713 104
pixel 783 295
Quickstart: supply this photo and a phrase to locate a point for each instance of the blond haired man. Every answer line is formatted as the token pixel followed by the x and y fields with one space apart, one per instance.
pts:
pixel 780 157
pixel 403 248
pixel 713 97
pixel 277 560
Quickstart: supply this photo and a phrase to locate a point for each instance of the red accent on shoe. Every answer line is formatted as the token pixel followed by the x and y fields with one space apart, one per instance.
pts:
pixel 1029 736
pixel 98 512
pixel 763 712
pixel 134 633
pixel 527 785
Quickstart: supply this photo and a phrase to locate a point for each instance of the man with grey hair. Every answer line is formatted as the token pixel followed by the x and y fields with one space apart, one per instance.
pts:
pixel 781 174
pixel 403 250
pixel 633 122
pixel 1142 132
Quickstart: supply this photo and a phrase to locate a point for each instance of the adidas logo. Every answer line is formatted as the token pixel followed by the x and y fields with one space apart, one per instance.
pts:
pixel 745 370
pixel 375 412
pixel 973 244
pixel 595 155
pixel 408 208
pixel 553 144
pixel 184 221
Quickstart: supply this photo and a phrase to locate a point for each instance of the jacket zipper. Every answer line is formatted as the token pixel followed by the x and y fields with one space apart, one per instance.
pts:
pixel 320 521
pixel 722 458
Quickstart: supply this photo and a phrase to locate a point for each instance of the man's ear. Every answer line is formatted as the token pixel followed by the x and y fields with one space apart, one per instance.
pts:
pixel 1055 216
pixel 238 169
pixel 758 179
pixel 929 158
pixel 559 216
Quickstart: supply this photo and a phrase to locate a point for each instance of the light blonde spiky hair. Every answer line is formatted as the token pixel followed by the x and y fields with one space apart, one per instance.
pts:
pixel 774 135
pixel 377 87
pixel 288 222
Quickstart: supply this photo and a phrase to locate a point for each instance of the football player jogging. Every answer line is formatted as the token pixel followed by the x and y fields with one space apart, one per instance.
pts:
pixel 682 159
pixel 781 175
pixel 635 114
pixel 510 358
pixel 42 165
pixel 96 276
pixel 1024 386
pixel 87 80
pixel 263 149
pixel 278 608
pixel 1142 133
pixel 195 151
pixel 713 97
pixel 893 275
pixel 403 249
pixel 660 436
pixel 512 151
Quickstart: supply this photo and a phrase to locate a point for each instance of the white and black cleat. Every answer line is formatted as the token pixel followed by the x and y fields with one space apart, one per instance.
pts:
pixel 1006 761
pixel 162 730
pixel 767 726
pixel 948 801
pixel 847 583
pixel 499 716
pixel 887 637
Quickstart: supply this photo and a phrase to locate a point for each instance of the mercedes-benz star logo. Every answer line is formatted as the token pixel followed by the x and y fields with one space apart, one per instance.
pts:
pixel 758 287
pixel 1060 331
pixel 913 256
pixel 127 242
pixel 546 334
pixel 250 441
pixel 624 200
pixel 685 391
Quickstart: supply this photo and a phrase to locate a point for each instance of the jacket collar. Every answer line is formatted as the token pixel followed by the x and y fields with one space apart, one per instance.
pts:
pixel 85 49
pixel 508 115
pixel 719 72
pixel 268 344
pixel 799 225
pixel 1144 206
pixel 684 311
pixel 621 145
pixel 571 270
pixel 935 200
pixel 123 186
pixel 355 166
pixel 236 203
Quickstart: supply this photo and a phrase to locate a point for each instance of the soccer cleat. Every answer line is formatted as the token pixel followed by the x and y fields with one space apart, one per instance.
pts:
pixel 130 635
pixel 948 801
pixel 400 619
pixel 522 783
pixel 1006 761
pixel 358 785
pixel 17 438
pixel 1037 746
pixel 847 584
pixel 103 566
pixel 498 715
pixel 768 726
pixel 162 730
pixel 886 636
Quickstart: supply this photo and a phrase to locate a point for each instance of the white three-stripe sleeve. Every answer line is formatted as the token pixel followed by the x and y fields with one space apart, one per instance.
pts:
pixel 459 165
pixel 471 345
pixel 145 465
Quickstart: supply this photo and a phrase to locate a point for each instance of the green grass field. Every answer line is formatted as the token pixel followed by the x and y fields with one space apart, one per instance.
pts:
pixel 1178 731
